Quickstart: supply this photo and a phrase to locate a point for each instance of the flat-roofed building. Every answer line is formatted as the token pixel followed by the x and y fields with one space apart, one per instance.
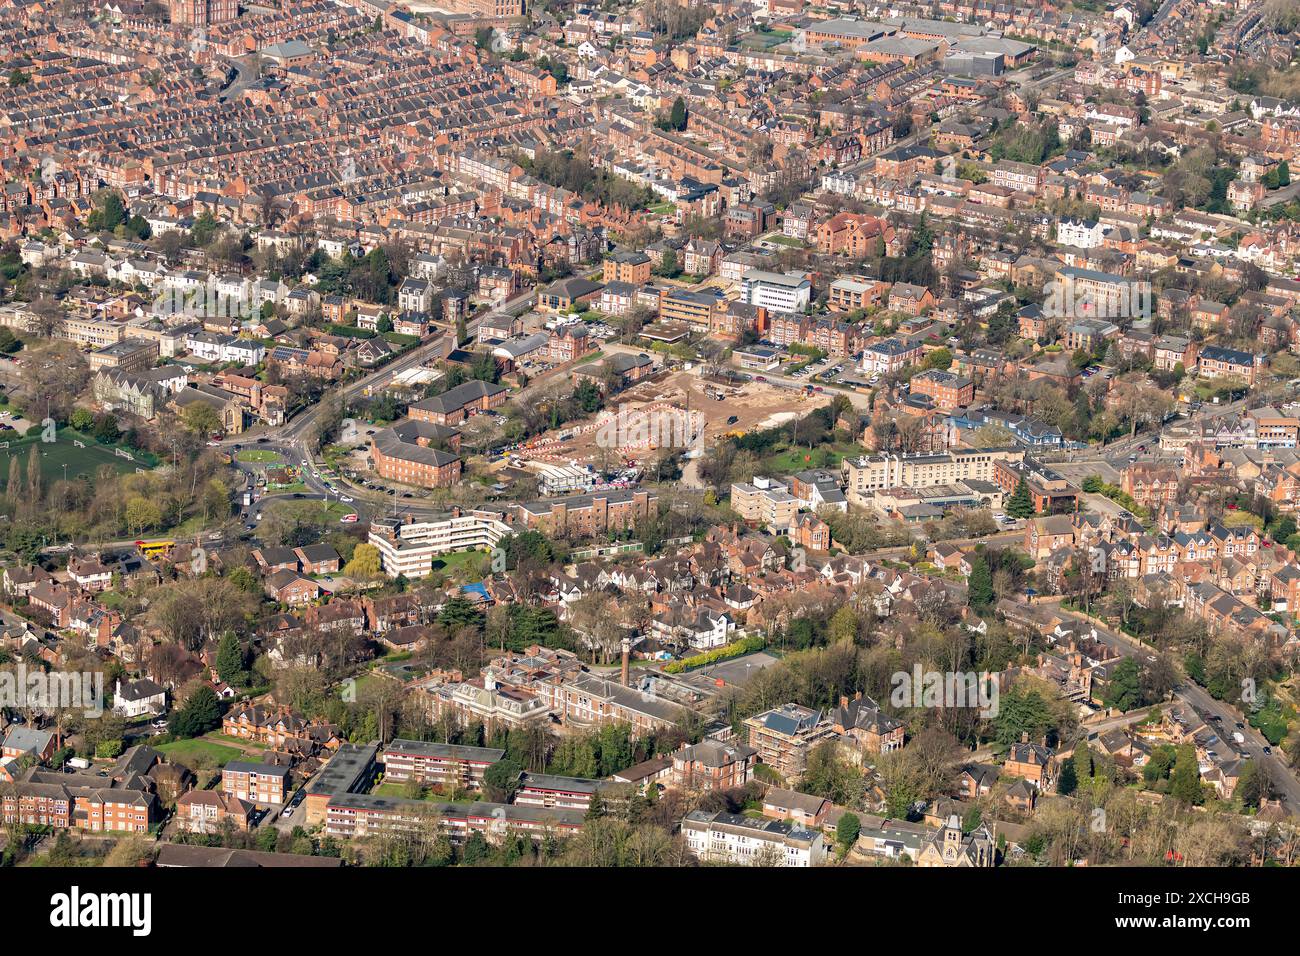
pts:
pixel 586 515
pixel 350 770
pixel 549 790
pixel 262 784
pixel 777 291
pixel 430 763
pixel 869 473
pixel 408 549
pixel 850 293
pixel 128 355
pixel 764 501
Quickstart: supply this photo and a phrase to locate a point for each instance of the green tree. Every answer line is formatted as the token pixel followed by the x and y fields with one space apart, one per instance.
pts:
pixel 458 613
pixel 110 213
pixel 201 713
pixel 365 563
pixel 677 118
pixel 204 229
pixel 266 838
pixel 501 780
pixel 1022 712
pixel 847 831
pixel 1124 690
pixel 484 367
pixel 1161 762
pixel 1020 505
pixel 940 358
pixel 980 584
pixel 230 660
pixel 668 266
pixel 201 418
pixel 1252 786
pixel 1082 762
pixel 1067 781
pixel 844 625
pixel 244 579
pixel 142 513
pixel 1186 779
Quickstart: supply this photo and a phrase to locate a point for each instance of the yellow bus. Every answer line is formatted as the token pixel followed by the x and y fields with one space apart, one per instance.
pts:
pixel 153 549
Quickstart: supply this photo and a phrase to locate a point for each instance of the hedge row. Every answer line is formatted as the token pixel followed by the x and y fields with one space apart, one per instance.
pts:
pixel 746 645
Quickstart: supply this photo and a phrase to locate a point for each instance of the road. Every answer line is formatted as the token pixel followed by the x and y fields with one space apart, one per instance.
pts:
pixel 1283 195
pixel 1284 780
pixel 245 77
pixel 1111 723
pixel 294 440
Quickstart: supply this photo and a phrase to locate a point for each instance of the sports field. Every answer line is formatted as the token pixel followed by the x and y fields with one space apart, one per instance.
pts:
pixel 54 455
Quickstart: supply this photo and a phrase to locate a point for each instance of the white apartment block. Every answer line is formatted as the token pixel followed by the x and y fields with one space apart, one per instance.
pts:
pixel 765 501
pixel 728 838
pixel 1080 233
pixel 777 291
pixel 409 549
pixel 212 347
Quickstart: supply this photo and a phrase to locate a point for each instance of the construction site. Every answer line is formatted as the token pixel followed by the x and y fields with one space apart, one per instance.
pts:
pixel 686 410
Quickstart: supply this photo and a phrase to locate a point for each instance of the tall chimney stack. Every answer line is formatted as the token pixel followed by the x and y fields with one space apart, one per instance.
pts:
pixel 627 653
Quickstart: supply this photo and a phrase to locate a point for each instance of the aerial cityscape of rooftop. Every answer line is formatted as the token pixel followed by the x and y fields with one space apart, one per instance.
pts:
pixel 649 433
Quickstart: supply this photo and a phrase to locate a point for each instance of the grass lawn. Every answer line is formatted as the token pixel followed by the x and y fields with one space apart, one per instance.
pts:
pixel 259 456
pixel 54 455
pixel 286 489
pixel 763 41
pixel 781 240
pixel 220 753
pixel 337 509
pixel 398 790
pixel 826 456
pixel 662 208
pixel 457 560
